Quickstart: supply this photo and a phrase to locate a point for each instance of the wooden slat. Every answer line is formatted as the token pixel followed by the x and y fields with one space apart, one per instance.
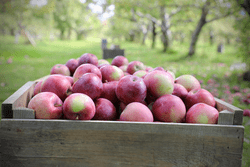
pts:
pixel 23 113
pixel 238 113
pixel 226 118
pixel 19 99
pixel 110 143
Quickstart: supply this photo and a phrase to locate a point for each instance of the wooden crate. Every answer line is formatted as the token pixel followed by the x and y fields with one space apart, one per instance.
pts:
pixel 26 141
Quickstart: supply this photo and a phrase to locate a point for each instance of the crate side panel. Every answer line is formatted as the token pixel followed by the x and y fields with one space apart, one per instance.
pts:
pixel 124 144
pixel 19 99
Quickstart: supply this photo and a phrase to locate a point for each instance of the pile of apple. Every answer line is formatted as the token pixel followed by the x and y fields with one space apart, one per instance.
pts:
pixel 90 89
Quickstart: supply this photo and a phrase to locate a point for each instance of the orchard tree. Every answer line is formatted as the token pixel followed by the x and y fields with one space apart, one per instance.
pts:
pixel 211 10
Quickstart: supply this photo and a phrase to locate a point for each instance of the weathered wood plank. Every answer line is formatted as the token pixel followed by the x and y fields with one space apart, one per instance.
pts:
pixel 23 113
pixel 110 53
pixel 226 118
pixel 111 143
pixel 238 113
pixel 19 99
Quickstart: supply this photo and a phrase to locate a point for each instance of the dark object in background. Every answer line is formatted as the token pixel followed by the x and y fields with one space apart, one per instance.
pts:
pixel 220 48
pixel 246 76
pixel 104 44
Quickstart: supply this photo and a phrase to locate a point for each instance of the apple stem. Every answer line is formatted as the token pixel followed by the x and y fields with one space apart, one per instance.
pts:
pixel 58 105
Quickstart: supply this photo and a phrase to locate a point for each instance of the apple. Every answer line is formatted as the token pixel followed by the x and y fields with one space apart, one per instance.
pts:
pixel 108 91
pixel 105 110
pixel 202 113
pixel 136 111
pixel 159 68
pixel 134 66
pixel 119 61
pixel 111 73
pixel 71 80
pixel 140 73
pixel 60 69
pixel 37 88
pixel 88 58
pixel 47 105
pixel 246 112
pixel 131 89
pixel 188 81
pixel 171 73
pixel 180 91
pixel 79 106
pixel 86 68
pixel 148 68
pixel 169 108
pixel 102 61
pixel 72 65
pixel 57 84
pixel 199 96
pixel 89 84
pixel 124 68
pixel 159 83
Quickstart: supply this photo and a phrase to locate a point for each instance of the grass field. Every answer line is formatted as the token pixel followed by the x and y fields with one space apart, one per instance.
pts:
pixel 211 68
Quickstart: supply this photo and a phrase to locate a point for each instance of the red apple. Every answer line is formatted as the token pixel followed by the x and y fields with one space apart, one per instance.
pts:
pixel 131 89
pixel 109 91
pixel 134 66
pixel 88 58
pixel 199 96
pixel 86 68
pixel 202 113
pixel 188 81
pixel 159 68
pixel 79 106
pixel 103 61
pixel 169 108
pixel 71 80
pixel 89 84
pixel 57 84
pixel 72 64
pixel 105 110
pixel 37 88
pixel 60 69
pixel 246 112
pixel 148 68
pixel 111 73
pixel 180 91
pixel 171 73
pixel 119 61
pixel 136 111
pixel 159 83
pixel 124 68
pixel 140 73
pixel 47 105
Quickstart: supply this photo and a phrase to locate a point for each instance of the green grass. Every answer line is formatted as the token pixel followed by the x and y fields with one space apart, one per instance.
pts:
pixel 30 63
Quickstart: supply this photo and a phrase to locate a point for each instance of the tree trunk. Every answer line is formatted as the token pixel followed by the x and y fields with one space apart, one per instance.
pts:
pixel 145 33
pixel 62 34
pixel 79 35
pixel 197 31
pixel 153 34
pixel 165 29
pixel 12 31
pixel 69 33
pixel 211 37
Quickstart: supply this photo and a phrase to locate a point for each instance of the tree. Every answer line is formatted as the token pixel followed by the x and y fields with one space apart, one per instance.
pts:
pixel 217 10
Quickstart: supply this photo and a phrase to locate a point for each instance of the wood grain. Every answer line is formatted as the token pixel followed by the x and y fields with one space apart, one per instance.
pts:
pixel 238 113
pixel 23 113
pixel 109 143
pixel 226 118
pixel 19 99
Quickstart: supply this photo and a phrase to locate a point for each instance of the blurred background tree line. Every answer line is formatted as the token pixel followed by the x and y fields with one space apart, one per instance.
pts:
pixel 220 22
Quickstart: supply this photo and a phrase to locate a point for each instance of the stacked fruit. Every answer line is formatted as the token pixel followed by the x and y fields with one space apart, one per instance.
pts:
pixel 90 89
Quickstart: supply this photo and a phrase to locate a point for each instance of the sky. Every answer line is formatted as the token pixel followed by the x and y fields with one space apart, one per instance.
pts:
pixel 96 8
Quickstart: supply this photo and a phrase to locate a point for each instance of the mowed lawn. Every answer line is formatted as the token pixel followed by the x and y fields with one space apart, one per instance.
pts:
pixel 30 63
